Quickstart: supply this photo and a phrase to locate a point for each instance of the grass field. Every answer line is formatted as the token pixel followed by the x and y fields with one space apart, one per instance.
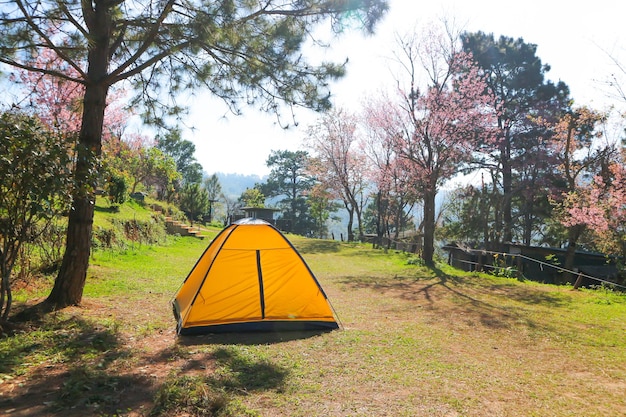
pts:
pixel 414 342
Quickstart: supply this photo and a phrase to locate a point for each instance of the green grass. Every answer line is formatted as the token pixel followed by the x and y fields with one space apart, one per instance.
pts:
pixel 415 341
pixel 133 210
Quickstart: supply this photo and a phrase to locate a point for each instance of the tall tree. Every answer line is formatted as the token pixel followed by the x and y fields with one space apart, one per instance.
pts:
pixel 214 190
pixel 289 178
pixel 194 200
pixel 252 197
pixel 339 163
pixel 467 214
pixel 578 159
pixel 213 187
pixel 321 206
pixel 601 206
pixel 395 195
pixel 149 166
pixel 183 152
pixel 443 121
pixel 515 77
pixel 241 51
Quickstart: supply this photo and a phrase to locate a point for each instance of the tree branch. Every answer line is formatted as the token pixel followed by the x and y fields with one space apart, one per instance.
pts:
pixel 46 38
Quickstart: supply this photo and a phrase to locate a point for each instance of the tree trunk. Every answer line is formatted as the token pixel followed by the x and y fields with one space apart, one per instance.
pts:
pixel 379 217
pixel 429 227
pixel 496 198
pixel 350 224
pixel 6 297
pixel 7 254
pixel 507 197
pixel 528 222
pixel 69 283
pixel 360 221
pixel 573 233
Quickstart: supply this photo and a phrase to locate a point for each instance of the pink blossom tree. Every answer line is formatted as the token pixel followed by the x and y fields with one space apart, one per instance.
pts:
pixel 340 164
pixel 599 206
pixel 574 146
pixel 58 101
pixel 387 172
pixel 441 123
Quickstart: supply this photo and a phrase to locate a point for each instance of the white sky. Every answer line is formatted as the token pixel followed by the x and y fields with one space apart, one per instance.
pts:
pixel 574 38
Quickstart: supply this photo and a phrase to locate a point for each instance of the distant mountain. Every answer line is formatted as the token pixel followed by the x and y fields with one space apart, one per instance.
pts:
pixel 235 184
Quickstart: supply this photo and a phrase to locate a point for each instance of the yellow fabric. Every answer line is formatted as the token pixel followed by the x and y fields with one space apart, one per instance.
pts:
pixel 290 292
pixel 187 292
pixel 224 286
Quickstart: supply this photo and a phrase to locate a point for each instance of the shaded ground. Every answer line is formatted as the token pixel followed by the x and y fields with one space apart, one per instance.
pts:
pixel 127 370
pixel 124 375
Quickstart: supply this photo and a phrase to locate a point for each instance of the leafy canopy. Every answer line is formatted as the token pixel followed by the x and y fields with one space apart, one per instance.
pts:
pixel 35 186
pixel 243 51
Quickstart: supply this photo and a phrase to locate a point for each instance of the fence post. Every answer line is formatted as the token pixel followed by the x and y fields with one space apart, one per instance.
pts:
pixel 579 281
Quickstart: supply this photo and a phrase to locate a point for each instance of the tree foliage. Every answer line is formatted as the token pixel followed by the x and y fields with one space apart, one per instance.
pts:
pixel 182 151
pixel 515 78
pixel 35 187
pixel 339 163
pixel 289 178
pixel 117 189
pixel 213 187
pixel 252 197
pixel 321 206
pixel 214 191
pixel 395 193
pixel 577 159
pixel 194 201
pixel 437 126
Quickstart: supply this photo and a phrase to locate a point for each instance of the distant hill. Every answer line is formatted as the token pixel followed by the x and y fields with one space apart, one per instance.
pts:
pixel 235 184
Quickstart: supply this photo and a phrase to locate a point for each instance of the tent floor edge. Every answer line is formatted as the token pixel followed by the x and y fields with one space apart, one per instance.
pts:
pixel 262 326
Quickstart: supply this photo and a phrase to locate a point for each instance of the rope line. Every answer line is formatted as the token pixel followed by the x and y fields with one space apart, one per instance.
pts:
pixel 541 264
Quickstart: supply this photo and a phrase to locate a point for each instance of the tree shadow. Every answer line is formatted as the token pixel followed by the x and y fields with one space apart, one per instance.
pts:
pixel 73 369
pixel 520 293
pixel 378 283
pixel 68 339
pixel 468 301
pixel 29 315
pixel 206 382
pixel 110 209
pixel 245 373
pixel 310 246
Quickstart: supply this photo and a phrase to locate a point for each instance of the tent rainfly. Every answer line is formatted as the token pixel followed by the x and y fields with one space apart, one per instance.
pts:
pixel 251 278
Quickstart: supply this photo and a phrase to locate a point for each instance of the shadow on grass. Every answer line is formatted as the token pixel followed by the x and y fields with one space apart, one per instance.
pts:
pixel 462 297
pixel 111 209
pixel 513 291
pixel 69 363
pixel 318 246
pixel 235 367
pixel 380 284
pixel 242 371
pixel 209 383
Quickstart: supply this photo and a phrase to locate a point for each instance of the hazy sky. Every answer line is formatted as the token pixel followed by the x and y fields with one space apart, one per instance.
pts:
pixel 574 38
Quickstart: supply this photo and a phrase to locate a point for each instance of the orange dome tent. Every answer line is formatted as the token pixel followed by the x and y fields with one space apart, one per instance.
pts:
pixel 251 278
